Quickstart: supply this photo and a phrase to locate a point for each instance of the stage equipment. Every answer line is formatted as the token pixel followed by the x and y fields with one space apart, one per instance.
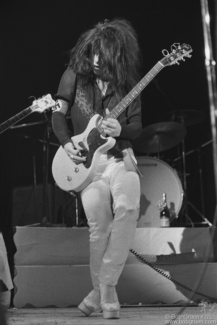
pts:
pixel 51 203
pixel 158 178
pixel 159 137
pixel 210 65
pixel 188 118
pixel 202 215
pixel 70 212
pixel 39 105
pixel 61 256
pixel 45 128
pixel 46 144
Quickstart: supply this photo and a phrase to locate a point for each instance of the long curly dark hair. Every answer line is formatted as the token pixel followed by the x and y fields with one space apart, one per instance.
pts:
pixel 116 44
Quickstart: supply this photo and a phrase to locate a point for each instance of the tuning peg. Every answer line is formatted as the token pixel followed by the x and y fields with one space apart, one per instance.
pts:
pixel 175 46
pixel 165 52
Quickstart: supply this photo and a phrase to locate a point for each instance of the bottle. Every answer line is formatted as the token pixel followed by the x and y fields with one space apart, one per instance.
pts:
pixel 164 213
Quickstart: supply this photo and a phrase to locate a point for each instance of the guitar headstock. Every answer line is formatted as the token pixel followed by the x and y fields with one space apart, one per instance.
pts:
pixel 41 104
pixel 178 52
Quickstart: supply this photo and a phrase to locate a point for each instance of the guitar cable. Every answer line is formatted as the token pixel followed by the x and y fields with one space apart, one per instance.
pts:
pixel 143 260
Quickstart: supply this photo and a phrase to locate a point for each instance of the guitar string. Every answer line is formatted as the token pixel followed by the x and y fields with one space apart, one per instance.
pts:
pixel 19 116
pixel 127 100
pixel 158 67
pixel 15 118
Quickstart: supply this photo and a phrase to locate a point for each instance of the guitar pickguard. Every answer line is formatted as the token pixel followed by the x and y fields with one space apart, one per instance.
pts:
pixel 94 141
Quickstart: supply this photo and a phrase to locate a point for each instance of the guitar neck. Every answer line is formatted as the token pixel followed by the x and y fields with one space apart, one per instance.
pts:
pixel 4 126
pixel 117 110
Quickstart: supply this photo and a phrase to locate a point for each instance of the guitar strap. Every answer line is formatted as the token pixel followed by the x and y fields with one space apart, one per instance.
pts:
pixel 130 161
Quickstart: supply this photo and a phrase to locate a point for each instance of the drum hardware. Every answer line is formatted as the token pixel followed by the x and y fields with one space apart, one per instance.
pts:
pixel 188 118
pixel 201 214
pixel 71 212
pixel 159 137
pixel 187 201
pixel 64 213
pixel 162 178
pixel 46 142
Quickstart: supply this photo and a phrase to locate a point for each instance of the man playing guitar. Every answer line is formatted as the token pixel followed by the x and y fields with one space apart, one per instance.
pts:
pixel 103 68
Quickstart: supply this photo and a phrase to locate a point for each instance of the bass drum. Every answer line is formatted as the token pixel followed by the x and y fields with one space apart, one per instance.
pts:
pixel 158 178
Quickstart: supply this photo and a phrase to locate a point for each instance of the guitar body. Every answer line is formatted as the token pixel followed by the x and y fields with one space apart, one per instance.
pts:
pixel 71 177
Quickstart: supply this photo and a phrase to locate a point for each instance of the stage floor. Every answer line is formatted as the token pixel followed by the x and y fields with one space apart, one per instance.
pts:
pixel 128 315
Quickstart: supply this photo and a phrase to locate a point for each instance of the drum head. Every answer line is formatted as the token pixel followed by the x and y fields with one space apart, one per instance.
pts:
pixel 158 178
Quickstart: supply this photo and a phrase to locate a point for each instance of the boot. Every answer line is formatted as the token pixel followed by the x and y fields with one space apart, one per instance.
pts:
pixel 91 303
pixel 117 251
pixel 100 223
pixel 109 301
pixel 114 259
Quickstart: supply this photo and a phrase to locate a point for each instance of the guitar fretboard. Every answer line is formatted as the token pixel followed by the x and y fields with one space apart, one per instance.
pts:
pixel 127 100
pixel 4 126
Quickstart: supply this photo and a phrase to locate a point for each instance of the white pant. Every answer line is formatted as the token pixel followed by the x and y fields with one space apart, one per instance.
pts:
pixel 111 204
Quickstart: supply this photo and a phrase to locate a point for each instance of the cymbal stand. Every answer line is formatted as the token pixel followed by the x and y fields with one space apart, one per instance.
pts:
pixel 187 202
pixel 202 215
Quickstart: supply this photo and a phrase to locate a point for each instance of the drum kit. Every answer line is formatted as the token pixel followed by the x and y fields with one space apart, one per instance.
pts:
pixel 158 176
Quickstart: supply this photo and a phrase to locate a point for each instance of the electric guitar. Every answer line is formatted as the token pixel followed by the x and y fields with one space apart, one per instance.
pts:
pixel 92 142
pixel 39 105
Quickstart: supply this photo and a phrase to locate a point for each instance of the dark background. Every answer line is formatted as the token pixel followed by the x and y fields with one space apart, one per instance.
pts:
pixel 35 38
